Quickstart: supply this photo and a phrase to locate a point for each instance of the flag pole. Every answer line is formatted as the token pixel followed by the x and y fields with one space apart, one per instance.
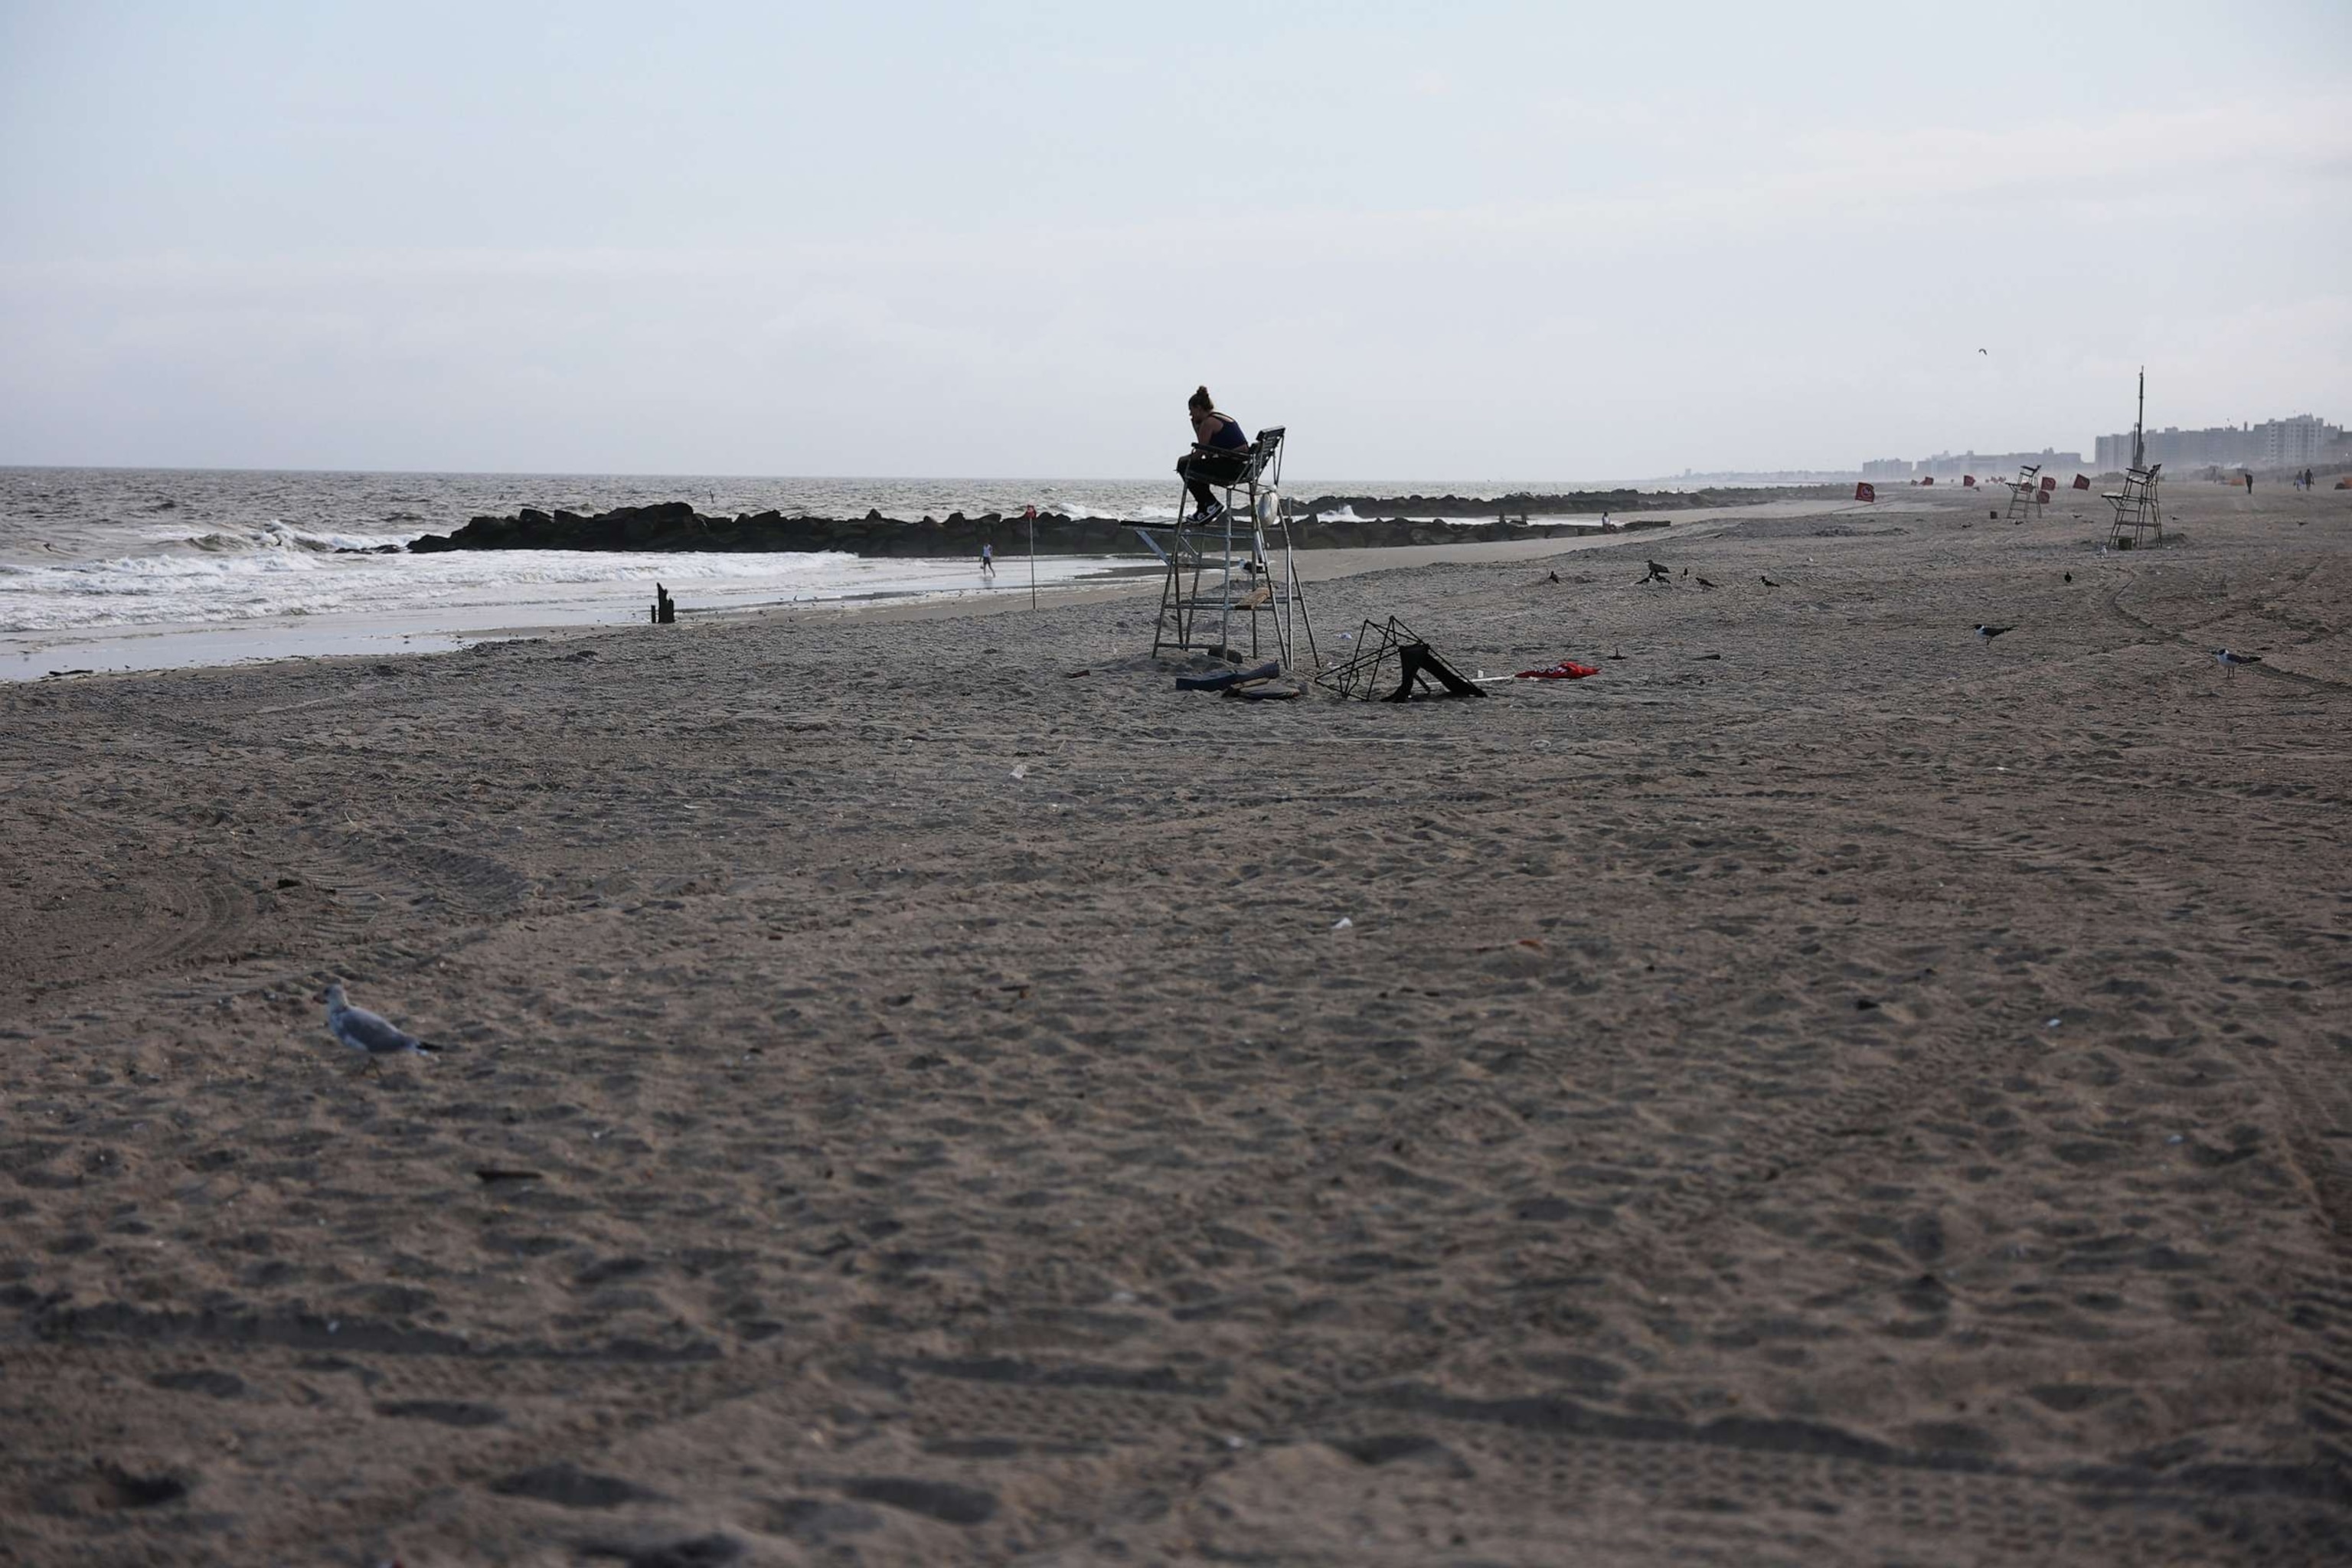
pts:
pixel 1033 556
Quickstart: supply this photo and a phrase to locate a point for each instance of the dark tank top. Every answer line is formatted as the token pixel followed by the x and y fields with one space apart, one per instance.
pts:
pixel 1229 435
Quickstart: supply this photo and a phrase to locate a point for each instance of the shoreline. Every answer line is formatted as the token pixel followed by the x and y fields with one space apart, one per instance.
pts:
pixel 77 653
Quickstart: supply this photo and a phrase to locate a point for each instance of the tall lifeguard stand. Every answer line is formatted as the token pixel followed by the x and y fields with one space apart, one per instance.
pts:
pixel 2138 511
pixel 2025 491
pixel 1237 565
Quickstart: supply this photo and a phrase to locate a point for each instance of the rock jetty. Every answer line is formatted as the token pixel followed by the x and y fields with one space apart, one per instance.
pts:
pixel 676 526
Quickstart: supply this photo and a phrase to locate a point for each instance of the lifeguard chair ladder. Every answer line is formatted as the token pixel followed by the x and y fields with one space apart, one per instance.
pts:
pixel 1237 565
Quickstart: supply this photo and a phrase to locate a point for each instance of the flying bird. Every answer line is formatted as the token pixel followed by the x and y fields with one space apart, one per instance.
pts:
pixel 370 1034
pixel 1988 633
pixel 1982 352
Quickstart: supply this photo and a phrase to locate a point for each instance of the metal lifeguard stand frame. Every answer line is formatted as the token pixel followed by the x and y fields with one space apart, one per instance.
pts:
pixel 2025 491
pixel 1237 564
pixel 2138 512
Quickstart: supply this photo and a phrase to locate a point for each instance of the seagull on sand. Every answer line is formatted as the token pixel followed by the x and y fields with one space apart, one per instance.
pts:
pixel 2230 661
pixel 1704 583
pixel 373 1036
pixel 1767 581
pixel 1986 632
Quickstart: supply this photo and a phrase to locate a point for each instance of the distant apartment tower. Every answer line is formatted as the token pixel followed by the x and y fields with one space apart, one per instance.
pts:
pixel 2297 441
pixel 1887 468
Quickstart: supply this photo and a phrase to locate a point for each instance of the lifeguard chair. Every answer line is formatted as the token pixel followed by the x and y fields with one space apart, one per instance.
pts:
pixel 2024 491
pixel 2138 512
pixel 1235 566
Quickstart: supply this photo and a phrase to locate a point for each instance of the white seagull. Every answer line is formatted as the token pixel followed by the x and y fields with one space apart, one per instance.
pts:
pixel 1986 632
pixel 2230 661
pixel 371 1035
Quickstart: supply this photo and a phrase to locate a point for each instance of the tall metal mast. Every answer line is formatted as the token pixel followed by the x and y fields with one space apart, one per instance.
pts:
pixel 2139 424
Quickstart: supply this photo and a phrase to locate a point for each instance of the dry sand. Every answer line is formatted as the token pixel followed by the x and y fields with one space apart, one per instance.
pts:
pixel 1869 1097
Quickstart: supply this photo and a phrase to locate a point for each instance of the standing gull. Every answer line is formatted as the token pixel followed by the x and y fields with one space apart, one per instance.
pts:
pixel 2231 660
pixel 1986 632
pixel 373 1036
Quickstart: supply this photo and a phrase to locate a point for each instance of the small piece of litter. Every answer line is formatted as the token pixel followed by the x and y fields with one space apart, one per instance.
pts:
pixel 1342 923
pixel 2052 1023
pixel 2176 1138
pixel 1021 771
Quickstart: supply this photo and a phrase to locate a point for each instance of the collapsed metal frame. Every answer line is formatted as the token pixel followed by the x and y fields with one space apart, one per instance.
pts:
pixel 1419 669
pixel 1241 563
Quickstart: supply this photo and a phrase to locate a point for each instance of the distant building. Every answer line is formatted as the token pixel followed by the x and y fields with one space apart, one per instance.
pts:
pixel 2299 442
pixel 1887 468
pixel 2296 442
pixel 1985 465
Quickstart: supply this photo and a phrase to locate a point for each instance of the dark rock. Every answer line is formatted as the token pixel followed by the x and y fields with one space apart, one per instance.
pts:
pixel 219 1385
pixel 941 1500
pixel 568 1485
pixel 1379 522
pixel 447 1412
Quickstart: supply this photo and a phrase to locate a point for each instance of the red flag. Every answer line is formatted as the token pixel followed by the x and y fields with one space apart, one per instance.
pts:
pixel 2049 483
pixel 2081 483
pixel 1866 492
pixel 1928 481
pixel 1968 481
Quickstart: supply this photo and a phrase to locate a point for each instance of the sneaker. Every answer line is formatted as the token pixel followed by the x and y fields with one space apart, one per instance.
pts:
pixel 1207 514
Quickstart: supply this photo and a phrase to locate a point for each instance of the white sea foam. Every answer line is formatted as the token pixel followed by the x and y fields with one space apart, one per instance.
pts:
pixel 232 577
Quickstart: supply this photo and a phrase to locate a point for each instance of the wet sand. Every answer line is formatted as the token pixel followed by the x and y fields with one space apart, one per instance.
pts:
pixel 1827 1089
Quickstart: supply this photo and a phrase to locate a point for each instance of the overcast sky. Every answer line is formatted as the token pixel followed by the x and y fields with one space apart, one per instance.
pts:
pixel 1445 240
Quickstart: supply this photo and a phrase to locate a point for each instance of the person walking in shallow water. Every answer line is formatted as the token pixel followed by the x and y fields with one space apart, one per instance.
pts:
pixel 1216 457
pixel 988 558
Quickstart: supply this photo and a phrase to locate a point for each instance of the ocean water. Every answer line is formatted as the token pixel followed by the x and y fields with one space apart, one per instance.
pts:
pixel 111 569
pixel 129 568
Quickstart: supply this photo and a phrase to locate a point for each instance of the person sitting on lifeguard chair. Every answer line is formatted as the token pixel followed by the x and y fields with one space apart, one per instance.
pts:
pixel 1219 454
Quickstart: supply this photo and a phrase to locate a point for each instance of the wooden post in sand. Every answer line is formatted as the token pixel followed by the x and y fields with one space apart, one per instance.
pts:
pixel 665 607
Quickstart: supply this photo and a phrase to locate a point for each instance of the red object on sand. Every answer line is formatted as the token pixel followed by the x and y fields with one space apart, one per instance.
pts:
pixel 1866 492
pixel 2049 481
pixel 1928 481
pixel 2081 483
pixel 1566 670
pixel 1968 481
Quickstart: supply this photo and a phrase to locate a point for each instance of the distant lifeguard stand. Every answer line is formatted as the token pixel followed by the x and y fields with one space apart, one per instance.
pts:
pixel 1235 567
pixel 2025 491
pixel 2139 513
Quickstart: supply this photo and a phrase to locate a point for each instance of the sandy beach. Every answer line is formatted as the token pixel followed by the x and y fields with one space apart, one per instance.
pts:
pixel 918 1088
